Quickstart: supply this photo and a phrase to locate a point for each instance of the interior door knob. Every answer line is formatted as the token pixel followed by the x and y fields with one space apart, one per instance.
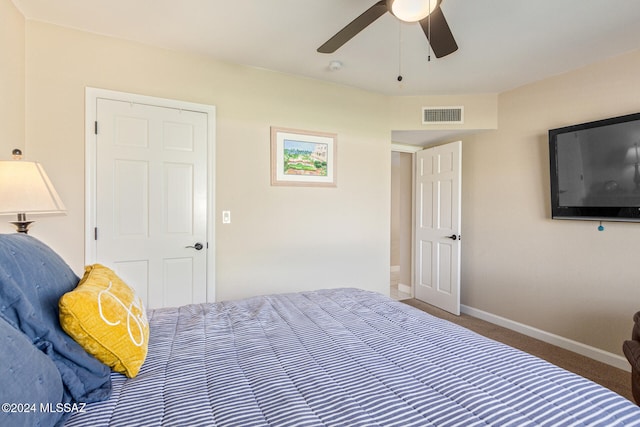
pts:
pixel 197 246
pixel 454 237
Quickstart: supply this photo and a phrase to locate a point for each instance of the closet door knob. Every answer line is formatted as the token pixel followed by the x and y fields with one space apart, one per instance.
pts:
pixel 197 246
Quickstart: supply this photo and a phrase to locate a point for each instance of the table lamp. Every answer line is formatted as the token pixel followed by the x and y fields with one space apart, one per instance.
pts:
pixel 25 189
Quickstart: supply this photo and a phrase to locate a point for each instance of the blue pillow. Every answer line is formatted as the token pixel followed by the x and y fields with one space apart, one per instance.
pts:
pixel 32 280
pixel 28 378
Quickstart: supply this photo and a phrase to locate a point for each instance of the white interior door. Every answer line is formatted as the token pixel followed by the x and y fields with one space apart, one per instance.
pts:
pixel 151 199
pixel 437 228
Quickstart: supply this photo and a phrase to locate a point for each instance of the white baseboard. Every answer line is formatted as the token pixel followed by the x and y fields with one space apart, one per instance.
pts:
pixel 405 289
pixel 575 346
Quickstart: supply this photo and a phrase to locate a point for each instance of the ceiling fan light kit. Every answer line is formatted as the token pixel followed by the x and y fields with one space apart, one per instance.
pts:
pixel 433 24
pixel 411 10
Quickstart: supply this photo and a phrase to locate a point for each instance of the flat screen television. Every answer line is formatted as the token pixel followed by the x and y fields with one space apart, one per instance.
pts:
pixel 595 170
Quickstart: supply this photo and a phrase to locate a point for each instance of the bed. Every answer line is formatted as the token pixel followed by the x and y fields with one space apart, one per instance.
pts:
pixel 336 357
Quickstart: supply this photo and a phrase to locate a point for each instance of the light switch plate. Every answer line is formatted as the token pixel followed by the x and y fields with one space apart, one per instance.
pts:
pixel 226 217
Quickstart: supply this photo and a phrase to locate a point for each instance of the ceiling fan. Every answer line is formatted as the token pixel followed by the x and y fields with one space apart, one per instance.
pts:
pixel 427 12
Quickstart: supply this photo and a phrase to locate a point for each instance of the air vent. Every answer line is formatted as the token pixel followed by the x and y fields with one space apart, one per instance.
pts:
pixel 442 115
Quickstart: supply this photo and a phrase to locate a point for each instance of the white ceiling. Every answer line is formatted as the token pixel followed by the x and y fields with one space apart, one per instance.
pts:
pixel 503 44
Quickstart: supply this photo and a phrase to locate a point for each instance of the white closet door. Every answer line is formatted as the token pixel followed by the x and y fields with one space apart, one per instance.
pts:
pixel 151 199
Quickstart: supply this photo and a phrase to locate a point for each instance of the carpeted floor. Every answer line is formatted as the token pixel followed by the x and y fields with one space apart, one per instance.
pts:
pixel 612 378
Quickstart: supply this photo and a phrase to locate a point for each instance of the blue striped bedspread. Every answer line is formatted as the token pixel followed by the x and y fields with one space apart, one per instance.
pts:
pixel 341 357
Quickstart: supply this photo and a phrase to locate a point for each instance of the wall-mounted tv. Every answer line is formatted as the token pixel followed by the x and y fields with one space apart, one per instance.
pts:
pixel 595 170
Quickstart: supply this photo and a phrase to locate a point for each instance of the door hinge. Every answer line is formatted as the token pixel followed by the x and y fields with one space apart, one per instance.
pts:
pixel 95 127
pixel 95 233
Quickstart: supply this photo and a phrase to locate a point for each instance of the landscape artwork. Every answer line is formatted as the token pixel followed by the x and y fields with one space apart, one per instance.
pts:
pixel 303 158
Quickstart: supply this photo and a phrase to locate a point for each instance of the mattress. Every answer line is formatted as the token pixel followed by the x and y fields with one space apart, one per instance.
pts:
pixel 341 357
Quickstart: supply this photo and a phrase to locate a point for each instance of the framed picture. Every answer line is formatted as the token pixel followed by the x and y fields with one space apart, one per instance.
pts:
pixel 303 158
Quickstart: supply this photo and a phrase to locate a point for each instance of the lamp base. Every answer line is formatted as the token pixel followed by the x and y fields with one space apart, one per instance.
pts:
pixel 22 225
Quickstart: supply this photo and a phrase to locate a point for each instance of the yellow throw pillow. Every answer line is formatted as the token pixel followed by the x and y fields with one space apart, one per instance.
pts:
pixel 105 316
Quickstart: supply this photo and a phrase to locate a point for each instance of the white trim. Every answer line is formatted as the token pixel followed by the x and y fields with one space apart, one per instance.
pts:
pixel 404 148
pixel 395 268
pixel 405 289
pixel 562 342
pixel 91 99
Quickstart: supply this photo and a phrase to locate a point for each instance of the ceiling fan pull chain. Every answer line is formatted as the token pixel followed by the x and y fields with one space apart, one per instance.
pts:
pixel 399 51
pixel 429 44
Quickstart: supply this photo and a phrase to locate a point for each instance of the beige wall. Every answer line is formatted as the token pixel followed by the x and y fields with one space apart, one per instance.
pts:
pixel 563 277
pixel 281 238
pixel 11 79
pixel 560 276
pixel 480 111
pixel 401 214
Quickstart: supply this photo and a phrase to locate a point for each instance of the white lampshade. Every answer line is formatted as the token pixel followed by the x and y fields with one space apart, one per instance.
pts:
pixel 411 10
pixel 26 188
pixel 633 154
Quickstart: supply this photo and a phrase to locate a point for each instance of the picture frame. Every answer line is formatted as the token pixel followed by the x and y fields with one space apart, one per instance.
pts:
pixel 303 158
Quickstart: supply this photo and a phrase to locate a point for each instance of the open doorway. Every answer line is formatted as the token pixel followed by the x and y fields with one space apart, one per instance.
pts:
pixel 401 224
